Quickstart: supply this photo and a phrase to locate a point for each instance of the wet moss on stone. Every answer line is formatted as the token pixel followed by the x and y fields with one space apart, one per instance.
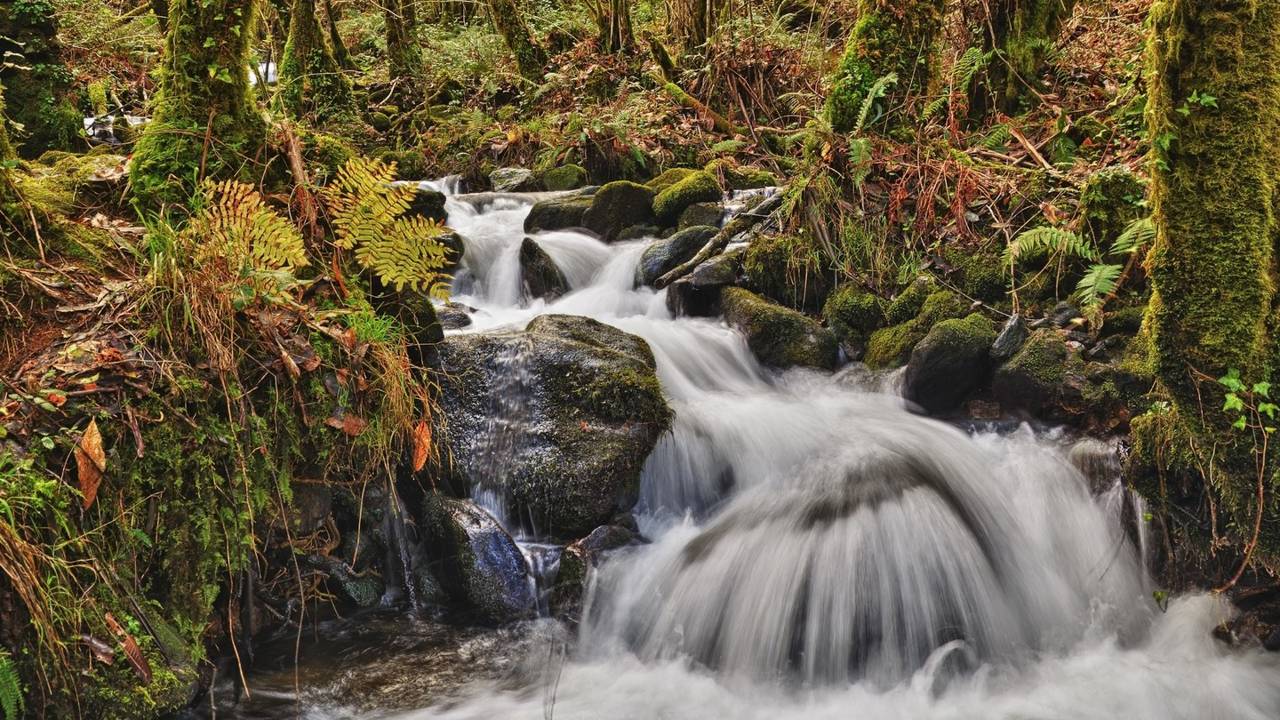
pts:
pixel 891 346
pixel 695 187
pixel 853 313
pixel 779 337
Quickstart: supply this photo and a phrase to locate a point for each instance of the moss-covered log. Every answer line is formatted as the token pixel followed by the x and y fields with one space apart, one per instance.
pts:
pixel 1214 119
pixel 507 19
pixel 205 123
pixel 891 38
pixel 37 80
pixel 312 83
pixel 1019 35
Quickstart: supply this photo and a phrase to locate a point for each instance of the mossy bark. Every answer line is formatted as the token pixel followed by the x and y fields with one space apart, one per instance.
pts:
pixel 694 21
pixel 1021 33
pixel 891 37
pixel 404 57
pixel 205 123
pixel 7 153
pixel 507 19
pixel 340 52
pixel 311 82
pixel 38 82
pixel 1214 192
pixel 613 24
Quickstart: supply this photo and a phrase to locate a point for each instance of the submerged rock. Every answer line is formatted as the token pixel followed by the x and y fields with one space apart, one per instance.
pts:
pixel 950 362
pixel 477 561
pixel 557 420
pixel 663 255
pixel 778 336
pixel 539 274
pixel 617 206
pixel 454 315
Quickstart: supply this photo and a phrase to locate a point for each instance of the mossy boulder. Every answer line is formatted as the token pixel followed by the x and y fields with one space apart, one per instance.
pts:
pixel 616 206
pixel 853 313
pixel 783 267
pixel 667 178
pixel 564 177
pixel 779 337
pixel 907 304
pixel 733 176
pixel 557 213
pixel 1044 379
pixel 590 410
pixel 979 273
pixel 661 256
pixel 577 560
pixel 539 275
pixel 891 346
pixel 514 179
pixel 698 293
pixel 476 560
pixel 950 362
pixel 674 199
pixel 702 213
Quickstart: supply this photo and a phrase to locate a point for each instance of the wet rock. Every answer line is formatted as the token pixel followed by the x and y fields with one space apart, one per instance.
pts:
pixel 477 561
pixel 781 267
pixel 671 201
pixel 853 314
pixel 891 346
pixel 698 293
pixel 702 213
pixel 636 232
pixel 428 203
pixel 1010 339
pixel 949 363
pixel 778 336
pixel 1044 378
pixel 617 206
pixel 565 177
pixel 669 177
pixel 558 418
pixel 558 213
pixel 457 248
pixel 514 179
pixel 577 561
pixel 663 255
pixel 454 315
pixel 539 274
pixel 1062 314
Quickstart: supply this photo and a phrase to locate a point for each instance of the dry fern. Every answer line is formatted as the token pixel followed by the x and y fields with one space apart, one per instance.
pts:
pixel 238 227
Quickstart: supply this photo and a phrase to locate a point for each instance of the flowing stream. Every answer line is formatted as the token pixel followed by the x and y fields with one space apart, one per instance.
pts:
pixel 821 552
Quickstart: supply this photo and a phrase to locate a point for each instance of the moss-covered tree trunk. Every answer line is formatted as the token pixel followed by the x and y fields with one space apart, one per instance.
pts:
pixel 1214 120
pixel 1019 34
pixel 38 82
pixel 898 38
pixel 509 22
pixel 613 22
pixel 340 52
pixel 7 153
pixel 311 82
pixel 404 57
pixel 205 121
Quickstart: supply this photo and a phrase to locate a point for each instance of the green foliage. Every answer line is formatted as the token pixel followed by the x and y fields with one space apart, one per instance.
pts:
pixel 12 703
pixel 1047 241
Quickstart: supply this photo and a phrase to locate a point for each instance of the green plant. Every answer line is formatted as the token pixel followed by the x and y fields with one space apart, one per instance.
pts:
pixel 1056 245
pixel 11 702
pixel 1103 280
pixel 1252 411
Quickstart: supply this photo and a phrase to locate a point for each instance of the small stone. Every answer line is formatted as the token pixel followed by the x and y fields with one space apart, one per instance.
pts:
pixel 513 179
pixel 1010 339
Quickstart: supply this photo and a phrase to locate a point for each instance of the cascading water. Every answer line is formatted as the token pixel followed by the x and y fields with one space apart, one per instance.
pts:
pixel 821 552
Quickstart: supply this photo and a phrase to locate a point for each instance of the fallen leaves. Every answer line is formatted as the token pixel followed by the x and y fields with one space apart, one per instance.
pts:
pixel 350 424
pixel 91 463
pixel 132 652
pixel 421 444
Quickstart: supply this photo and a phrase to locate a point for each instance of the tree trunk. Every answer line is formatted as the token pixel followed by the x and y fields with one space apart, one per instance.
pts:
pixel 692 22
pixel 311 83
pixel 7 153
pixel 613 23
pixel 1214 120
pixel 510 24
pixel 37 80
pixel 1019 34
pixel 404 57
pixel 891 38
pixel 340 52
pixel 205 121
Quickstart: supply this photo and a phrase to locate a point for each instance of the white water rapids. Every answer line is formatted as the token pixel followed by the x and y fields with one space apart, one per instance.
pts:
pixel 821 552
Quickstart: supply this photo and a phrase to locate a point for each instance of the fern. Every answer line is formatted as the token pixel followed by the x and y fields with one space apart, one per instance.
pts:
pixel 1098 284
pixel 11 701
pixel 968 65
pixel 997 138
pixel 367 209
pixel 237 226
pixel 874 93
pixel 1137 235
pixel 1045 240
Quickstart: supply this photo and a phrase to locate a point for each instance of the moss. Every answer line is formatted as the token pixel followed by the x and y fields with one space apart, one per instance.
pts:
pixel 778 336
pixel 787 269
pixel 1043 358
pixel 907 304
pixel 328 152
pixel 891 346
pixel 853 313
pixel 981 273
pixel 694 188
pixel 410 164
pixel 617 206
pixel 733 176
pixel 1110 200
pixel 1023 33
pixel 312 84
pixel 564 177
pixel 508 20
pixel 668 178
pixel 38 84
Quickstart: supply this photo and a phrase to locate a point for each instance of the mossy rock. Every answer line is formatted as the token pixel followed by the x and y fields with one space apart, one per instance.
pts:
pixel 703 213
pixel 1043 378
pixel 784 268
pixel 539 275
pixel 694 188
pixel 428 203
pixel 557 213
pixel 514 179
pixel 662 256
pixel 779 337
pixel 564 177
pixel 853 313
pixel 616 206
pixel 981 273
pixel 891 346
pixel 410 164
pixel 1111 199
pixel 667 178
pixel 951 361
pixel 907 304
pixel 733 176
pixel 479 564
pixel 328 152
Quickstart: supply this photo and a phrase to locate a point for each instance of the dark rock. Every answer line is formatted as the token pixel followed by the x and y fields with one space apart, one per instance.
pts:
pixel 949 363
pixel 1062 314
pixel 478 562
pixel 558 418
pixel 1010 339
pixel 663 255
pixel 514 179
pixel 429 204
pixel 891 346
pixel 557 213
pixel 539 274
pixel 457 248
pixel 1044 378
pixel 698 293
pixel 576 562
pixel 853 313
pixel 617 206
pixel 779 337
pixel 702 213
pixel 636 232
pixel 454 315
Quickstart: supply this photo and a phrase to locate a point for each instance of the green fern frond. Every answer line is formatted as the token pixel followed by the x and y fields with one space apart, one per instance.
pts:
pixel 1098 284
pixel 968 65
pixel 1045 240
pixel 11 700
pixel 1137 235
pixel 934 107
pixel 998 137
pixel 238 227
pixel 874 93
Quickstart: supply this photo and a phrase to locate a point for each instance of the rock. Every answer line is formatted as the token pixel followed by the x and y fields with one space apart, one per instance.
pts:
pixel 853 313
pixel 693 188
pixel 740 177
pixel 698 293
pixel 783 268
pixel 565 177
pixel 663 255
pixel 428 203
pixel 557 213
pixel 637 232
pixel 476 560
pixel 950 362
pixel 539 274
pixel 702 213
pixel 1062 314
pixel 411 165
pixel 891 346
pixel 778 336
pixel 513 179
pixel 1043 378
pixel 616 206
pixel 587 406
pixel 576 562
pixel 668 178
pixel 454 315
pixel 1010 339
pixel 907 304
pixel 457 248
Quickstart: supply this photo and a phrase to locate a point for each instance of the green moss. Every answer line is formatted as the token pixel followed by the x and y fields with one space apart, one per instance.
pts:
pixel 694 188
pixel 1023 34
pixel 892 346
pixel 564 177
pixel 36 79
pixel 788 269
pixel 410 164
pixel 733 176
pixel 853 313
pixel 327 152
pixel 981 273
pixel 668 178
pixel 1043 358
pixel 617 206
pixel 907 304
pixel 312 85
pixel 1110 200
pixel 778 336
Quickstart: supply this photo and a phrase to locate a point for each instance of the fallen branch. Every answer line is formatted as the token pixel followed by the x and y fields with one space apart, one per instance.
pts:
pixel 720 122
pixel 741 224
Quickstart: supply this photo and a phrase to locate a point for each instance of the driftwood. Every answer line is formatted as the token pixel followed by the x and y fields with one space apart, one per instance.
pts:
pixel 741 224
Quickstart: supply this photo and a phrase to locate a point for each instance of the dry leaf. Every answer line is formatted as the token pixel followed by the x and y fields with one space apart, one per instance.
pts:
pixel 102 652
pixel 350 424
pixel 91 462
pixel 131 650
pixel 421 444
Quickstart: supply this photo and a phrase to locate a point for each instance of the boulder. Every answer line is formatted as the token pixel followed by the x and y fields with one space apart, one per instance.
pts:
pixel 853 313
pixel 667 178
pixel 778 336
pixel 428 203
pixel 617 206
pixel 559 418
pixel 663 255
pixel 1044 379
pixel 457 248
pixel 891 346
pixel 1010 339
pixel 564 177
pixel 514 179
pixel 698 293
pixel 740 177
pixel 577 560
pixel 701 213
pixel 476 560
pixel 557 213
pixel 454 315
pixel 783 267
pixel 539 274
pixel 949 363
pixel 675 198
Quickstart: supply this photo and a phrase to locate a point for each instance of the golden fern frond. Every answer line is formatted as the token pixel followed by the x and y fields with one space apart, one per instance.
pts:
pixel 363 199
pixel 238 227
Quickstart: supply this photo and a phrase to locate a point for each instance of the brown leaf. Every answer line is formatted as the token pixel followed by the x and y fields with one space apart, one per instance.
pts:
pixel 131 650
pixel 102 652
pixel 91 462
pixel 350 424
pixel 421 444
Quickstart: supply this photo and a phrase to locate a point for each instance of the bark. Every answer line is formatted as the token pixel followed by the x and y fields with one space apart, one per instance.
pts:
pixel 37 80
pixel 311 82
pixel 340 52
pixel 1019 34
pixel 531 59
pixel 404 57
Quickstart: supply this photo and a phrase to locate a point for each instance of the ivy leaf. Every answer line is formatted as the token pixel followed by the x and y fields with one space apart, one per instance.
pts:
pixel 1239 424
pixel 1233 402
pixel 1268 409
pixel 1262 388
pixel 1231 380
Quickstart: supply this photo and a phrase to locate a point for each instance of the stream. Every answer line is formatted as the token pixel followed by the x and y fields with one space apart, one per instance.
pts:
pixel 818 551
